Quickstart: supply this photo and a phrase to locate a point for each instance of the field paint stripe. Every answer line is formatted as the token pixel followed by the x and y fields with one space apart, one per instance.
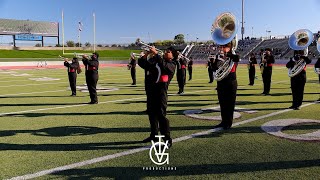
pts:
pixel 136 150
pixel 6 95
pixel 79 105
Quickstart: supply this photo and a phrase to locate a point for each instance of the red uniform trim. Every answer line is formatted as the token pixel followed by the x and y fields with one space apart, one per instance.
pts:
pixel 164 78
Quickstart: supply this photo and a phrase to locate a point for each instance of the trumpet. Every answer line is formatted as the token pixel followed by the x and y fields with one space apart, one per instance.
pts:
pixel 262 64
pixel 63 58
pixel 147 47
pixel 79 55
pixel 136 55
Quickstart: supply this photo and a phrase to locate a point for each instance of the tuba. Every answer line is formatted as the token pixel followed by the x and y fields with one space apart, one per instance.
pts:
pixel 223 31
pixel 299 40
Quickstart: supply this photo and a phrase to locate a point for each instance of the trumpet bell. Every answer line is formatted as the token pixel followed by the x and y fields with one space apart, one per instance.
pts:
pixel 300 39
pixel 224 28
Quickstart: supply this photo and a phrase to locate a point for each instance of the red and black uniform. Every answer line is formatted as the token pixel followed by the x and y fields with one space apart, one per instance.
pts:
pixel 133 64
pixel 190 64
pixel 252 70
pixel 298 82
pixel 72 74
pixel 212 67
pixel 158 74
pixel 92 77
pixel 317 65
pixel 267 73
pixel 227 92
pixel 181 74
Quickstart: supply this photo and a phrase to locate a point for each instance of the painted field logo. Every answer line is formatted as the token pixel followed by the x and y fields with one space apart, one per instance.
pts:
pixel 158 153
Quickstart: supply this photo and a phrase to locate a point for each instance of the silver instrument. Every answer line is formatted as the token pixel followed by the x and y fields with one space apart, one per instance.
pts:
pixel 223 31
pixel 299 40
pixel 147 47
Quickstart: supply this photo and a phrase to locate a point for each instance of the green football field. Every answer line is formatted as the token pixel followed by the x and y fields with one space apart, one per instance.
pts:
pixel 46 134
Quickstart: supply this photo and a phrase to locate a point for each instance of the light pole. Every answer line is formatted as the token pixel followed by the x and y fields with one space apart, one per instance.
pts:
pixel 268 32
pixel 242 28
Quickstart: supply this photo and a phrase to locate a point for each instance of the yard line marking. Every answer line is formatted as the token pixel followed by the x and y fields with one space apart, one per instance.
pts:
pixel 136 150
pixel 8 95
pixel 79 105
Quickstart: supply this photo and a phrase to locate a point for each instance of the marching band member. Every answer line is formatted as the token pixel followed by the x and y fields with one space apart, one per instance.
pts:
pixel 298 81
pixel 73 70
pixel 132 68
pixel 92 75
pixel 190 64
pixel 252 68
pixel 211 67
pixel 267 61
pixel 181 74
pixel 317 65
pixel 156 87
pixel 227 87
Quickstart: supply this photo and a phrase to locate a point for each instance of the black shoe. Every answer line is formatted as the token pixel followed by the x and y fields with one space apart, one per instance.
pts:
pixel 133 84
pixel 219 125
pixel 210 82
pixel 73 95
pixel 149 139
pixel 93 102
pixel 292 107
pixel 267 94
pixel 263 93
pixel 296 108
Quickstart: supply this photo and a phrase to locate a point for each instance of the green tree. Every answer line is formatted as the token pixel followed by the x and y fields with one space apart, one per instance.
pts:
pixel 38 45
pixel 87 44
pixel 179 39
pixel 70 43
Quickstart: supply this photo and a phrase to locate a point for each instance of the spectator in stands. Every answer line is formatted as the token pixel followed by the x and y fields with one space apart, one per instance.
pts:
pixel 267 61
pixel 252 68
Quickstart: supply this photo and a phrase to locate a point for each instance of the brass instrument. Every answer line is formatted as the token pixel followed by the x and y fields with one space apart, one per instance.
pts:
pixel 223 31
pixel 147 47
pixel 299 40
pixel 262 64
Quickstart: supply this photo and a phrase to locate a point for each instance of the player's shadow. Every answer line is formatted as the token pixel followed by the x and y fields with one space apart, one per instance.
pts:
pixel 136 173
pixel 65 131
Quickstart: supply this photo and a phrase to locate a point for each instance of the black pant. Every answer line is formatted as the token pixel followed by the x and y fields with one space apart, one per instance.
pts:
pixel 227 92
pixel 92 80
pixel 73 82
pixel 252 74
pixel 297 88
pixel 210 72
pixel 133 75
pixel 190 72
pixel 266 76
pixel 157 109
pixel 181 78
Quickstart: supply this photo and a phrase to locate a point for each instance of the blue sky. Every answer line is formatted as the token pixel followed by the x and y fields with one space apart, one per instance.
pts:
pixel 121 21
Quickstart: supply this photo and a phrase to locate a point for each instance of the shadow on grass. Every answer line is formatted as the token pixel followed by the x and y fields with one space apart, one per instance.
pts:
pixel 185 170
pixel 88 130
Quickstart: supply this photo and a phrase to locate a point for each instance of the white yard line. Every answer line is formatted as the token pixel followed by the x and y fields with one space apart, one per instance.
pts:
pixel 145 148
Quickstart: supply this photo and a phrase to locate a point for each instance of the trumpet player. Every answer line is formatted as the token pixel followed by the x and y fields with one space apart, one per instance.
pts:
pixel 73 70
pixel 298 81
pixel 158 74
pixel 317 65
pixel 132 68
pixel 92 75
pixel 252 68
pixel 268 61
pixel 181 73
